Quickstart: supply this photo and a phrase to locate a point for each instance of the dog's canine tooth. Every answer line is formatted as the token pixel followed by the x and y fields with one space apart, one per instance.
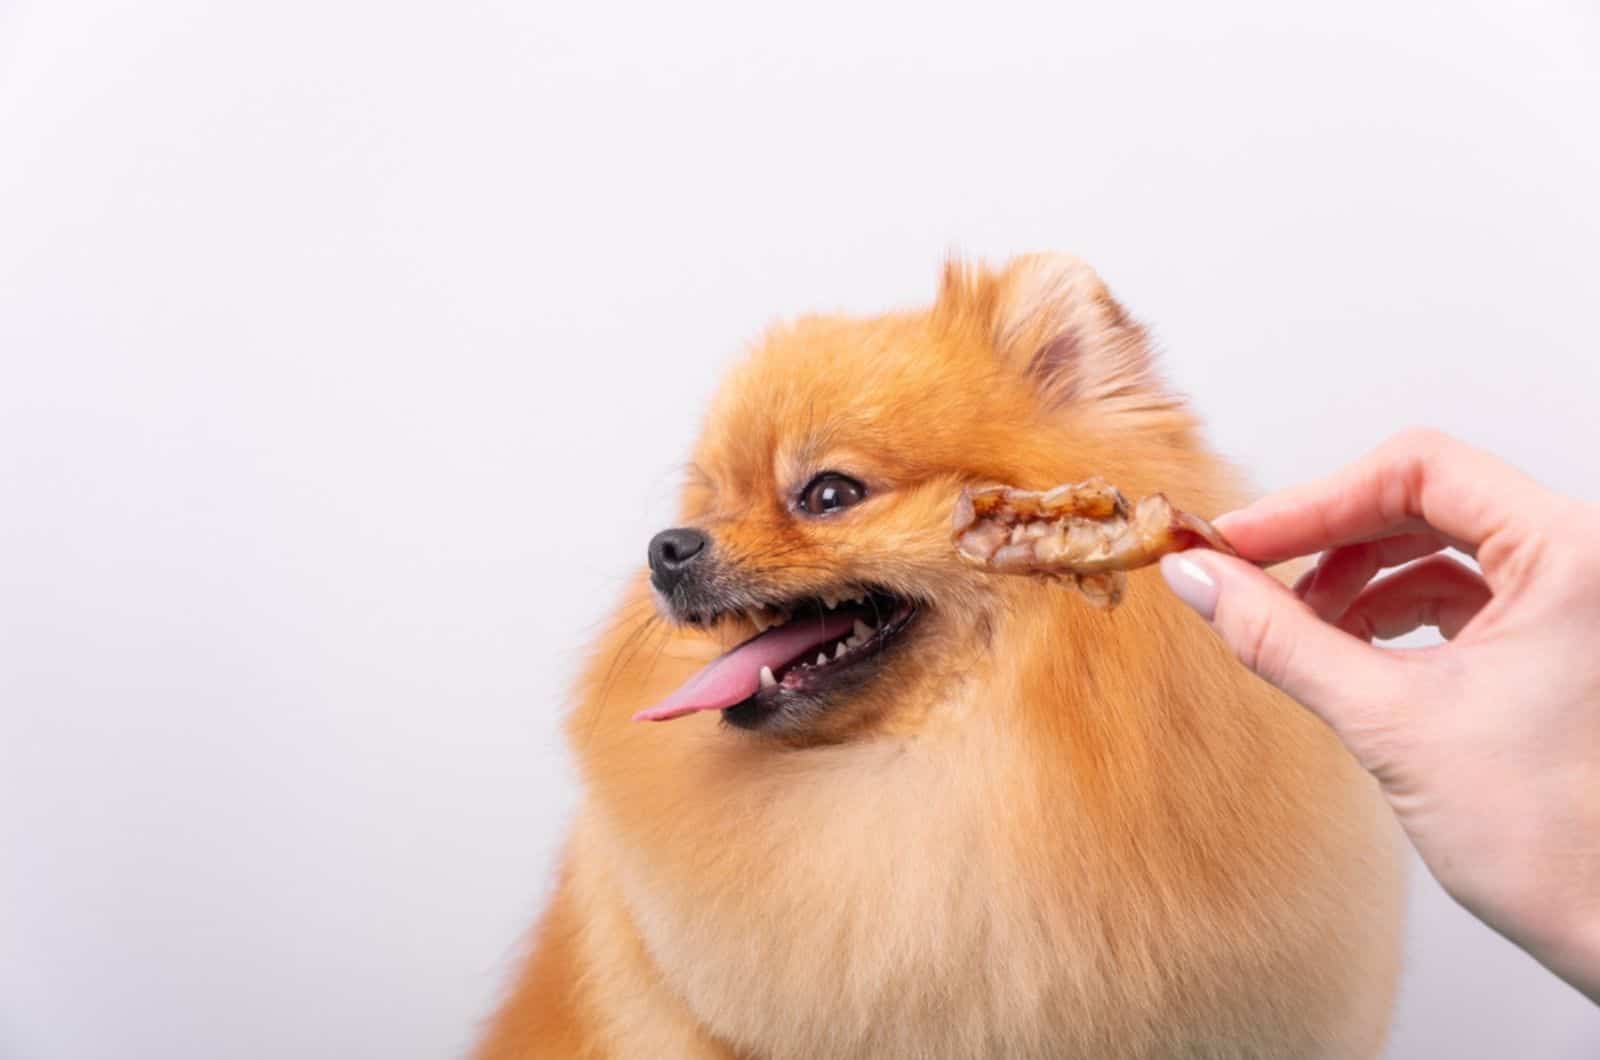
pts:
pixel 861 630
pixel 839 654
pixel 759 617
pixel 767 680
pixel 830 601
pixel 822 658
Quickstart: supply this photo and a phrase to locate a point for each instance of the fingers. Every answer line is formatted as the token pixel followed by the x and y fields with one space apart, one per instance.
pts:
pixel 1438 592
pixel 1332 585
pixel 1419 481
pixel 1278 636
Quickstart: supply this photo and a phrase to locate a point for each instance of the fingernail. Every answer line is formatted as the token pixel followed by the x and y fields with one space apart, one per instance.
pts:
pixel 1225 518
pixel 1191 583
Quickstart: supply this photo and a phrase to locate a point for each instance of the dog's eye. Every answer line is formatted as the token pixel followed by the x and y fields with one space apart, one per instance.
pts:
pixel 829 492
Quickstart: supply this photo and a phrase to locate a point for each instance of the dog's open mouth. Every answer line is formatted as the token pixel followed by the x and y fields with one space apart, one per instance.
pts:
pixel 806 649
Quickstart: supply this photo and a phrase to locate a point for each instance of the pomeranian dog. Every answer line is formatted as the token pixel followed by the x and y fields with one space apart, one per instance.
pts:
pixel 905 808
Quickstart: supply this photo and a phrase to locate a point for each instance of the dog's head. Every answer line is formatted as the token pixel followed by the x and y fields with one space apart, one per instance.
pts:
pixel 815 530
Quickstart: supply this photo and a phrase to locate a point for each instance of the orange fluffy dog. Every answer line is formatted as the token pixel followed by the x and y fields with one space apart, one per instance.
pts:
pixel 921 811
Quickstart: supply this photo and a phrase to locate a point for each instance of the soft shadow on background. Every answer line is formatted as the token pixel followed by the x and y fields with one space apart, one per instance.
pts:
pixel 348 351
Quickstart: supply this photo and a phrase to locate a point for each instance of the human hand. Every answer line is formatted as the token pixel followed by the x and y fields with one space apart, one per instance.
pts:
pixel 1487 746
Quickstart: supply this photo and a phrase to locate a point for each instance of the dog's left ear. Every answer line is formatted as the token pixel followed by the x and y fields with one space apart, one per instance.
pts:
pixel 1051 317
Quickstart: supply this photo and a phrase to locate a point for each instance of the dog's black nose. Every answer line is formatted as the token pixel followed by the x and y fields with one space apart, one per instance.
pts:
pixel 671 554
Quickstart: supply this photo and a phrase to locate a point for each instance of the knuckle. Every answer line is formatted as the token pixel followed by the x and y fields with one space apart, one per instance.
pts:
pixel 1376 734
pixel 1404 463
pixel 1359 625
pixel 1563 568
pixel 1261 647
pixel 1412 451
pixel 1420 441
pixel 1381 724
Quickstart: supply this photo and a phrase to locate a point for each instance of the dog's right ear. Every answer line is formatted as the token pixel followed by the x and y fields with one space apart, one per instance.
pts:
pixel 1051 318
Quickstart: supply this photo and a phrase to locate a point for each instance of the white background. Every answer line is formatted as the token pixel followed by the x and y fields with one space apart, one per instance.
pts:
pixel 348 351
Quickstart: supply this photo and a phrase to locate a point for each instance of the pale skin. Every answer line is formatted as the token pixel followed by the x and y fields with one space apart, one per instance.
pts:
pixel 1488 745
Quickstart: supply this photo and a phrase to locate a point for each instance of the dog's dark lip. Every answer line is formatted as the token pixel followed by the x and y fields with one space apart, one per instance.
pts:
pixel 806 683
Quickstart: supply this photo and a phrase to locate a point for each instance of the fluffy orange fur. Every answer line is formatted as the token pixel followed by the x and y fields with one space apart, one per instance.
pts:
pixel 1041 831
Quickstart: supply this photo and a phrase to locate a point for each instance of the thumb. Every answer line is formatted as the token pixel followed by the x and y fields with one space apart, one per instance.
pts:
pixel 1276 635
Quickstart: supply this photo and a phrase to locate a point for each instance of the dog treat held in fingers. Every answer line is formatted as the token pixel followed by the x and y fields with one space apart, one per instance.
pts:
pixel 1085 533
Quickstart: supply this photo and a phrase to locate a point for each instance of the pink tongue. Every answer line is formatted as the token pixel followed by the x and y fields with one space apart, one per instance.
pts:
pixel 736 676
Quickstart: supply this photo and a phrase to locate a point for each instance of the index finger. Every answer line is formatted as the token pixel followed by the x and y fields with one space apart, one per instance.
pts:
pixel 1421 480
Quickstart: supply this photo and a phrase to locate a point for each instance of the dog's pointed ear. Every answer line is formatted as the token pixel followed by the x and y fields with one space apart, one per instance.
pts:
pixel 1050 317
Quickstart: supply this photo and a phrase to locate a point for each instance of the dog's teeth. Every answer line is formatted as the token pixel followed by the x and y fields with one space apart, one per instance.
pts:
pixel 861 630
pixel 767 680
pixel 760 620
pixel 830 602
pixel 839 654
pixel 858 599
pixel 822 658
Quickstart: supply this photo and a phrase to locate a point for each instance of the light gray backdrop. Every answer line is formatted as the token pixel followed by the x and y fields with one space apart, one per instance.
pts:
pixel 347 350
